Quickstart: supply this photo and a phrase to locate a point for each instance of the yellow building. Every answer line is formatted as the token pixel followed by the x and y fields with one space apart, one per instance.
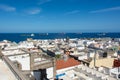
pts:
pixel 106 62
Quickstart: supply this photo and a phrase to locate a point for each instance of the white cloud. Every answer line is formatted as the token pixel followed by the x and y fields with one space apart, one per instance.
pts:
pixel 43 1
pixel 106 10
pixel 7 8
pixel 72 12
pixel 33 11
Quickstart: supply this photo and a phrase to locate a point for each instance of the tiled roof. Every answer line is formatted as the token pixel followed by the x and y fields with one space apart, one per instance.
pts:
pixel 60 64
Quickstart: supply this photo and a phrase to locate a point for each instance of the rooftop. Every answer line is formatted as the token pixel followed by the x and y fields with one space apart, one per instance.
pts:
pixel 5 72
pixel 83 73
pixel 60 64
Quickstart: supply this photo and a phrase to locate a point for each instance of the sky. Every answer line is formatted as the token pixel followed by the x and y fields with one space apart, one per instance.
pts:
pixel 39 16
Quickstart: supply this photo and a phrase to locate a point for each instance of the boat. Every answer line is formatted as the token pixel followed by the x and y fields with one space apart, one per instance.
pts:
pixel 102 34
pixel 32 35
pixel 47 34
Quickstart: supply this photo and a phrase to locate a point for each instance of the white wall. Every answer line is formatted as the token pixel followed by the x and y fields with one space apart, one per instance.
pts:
pixel 25 61
pixel 49 72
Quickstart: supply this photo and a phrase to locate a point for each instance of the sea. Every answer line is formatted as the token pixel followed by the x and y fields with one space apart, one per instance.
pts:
pixel 17 37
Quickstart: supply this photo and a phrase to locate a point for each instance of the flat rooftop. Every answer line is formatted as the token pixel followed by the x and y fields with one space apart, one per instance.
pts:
pixel 5 72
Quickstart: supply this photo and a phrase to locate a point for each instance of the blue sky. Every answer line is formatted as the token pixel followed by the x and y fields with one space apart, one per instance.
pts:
pixel 59 16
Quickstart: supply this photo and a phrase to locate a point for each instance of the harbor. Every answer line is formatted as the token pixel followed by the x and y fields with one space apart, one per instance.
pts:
pixel 59 39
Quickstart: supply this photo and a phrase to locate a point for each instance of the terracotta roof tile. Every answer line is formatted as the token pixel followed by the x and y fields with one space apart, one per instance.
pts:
pixel 60 64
